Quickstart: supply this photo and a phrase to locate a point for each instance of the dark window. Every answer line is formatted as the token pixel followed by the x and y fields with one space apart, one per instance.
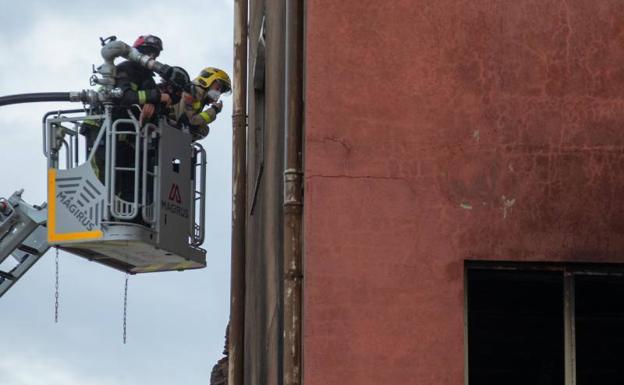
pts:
pixel 599 330
pixel 517 321
pixel 515 328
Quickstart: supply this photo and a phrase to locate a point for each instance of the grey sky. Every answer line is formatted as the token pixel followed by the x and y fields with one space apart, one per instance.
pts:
pixel 176 321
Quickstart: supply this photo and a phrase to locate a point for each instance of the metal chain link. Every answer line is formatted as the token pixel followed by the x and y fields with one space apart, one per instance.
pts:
pixel 125 309
pixel 56 286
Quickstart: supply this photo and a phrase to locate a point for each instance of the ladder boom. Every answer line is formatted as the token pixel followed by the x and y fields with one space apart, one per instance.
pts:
pixel 23 235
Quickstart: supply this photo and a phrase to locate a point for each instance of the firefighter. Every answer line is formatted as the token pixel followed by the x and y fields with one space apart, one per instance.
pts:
pixel 137 82
pixel 175 87
pixel 139 88
pixel 200 105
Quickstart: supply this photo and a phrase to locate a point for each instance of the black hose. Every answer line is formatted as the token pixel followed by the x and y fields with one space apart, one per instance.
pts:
pixel 35 97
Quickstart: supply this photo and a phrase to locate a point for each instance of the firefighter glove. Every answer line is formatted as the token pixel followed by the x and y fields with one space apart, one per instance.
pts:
pixel 218 106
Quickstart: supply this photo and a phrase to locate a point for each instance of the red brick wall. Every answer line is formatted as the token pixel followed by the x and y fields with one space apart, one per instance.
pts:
pixel 441 131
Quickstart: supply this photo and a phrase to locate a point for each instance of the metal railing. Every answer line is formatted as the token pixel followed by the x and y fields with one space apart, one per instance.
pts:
pixel 58 138
pixel 121 208
pixel 62 140
pixel 198 217
pixel 147 202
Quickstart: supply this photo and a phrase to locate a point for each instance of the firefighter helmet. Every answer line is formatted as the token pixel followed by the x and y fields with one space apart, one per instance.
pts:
pixel 209 75
pixel 179 80
pixel 148 44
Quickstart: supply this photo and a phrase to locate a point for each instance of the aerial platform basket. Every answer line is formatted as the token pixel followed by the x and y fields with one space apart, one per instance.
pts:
pixel 121 193
pixel 125 195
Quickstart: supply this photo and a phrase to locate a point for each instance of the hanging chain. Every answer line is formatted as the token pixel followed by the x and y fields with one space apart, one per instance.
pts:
pixel 125 309
pixel 56 286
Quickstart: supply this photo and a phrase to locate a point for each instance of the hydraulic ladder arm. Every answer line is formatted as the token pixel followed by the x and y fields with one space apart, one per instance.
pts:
pixel 23 235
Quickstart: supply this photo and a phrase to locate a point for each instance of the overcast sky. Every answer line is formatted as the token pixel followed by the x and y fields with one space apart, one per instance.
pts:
pixel 176 320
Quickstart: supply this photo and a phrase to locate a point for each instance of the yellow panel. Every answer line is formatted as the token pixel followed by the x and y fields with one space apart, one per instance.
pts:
pixel 53 236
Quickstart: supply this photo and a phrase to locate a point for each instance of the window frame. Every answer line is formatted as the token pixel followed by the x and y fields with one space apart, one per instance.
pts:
pixel 569 271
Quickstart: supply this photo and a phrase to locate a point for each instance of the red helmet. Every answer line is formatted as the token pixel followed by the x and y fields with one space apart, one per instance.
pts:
pixel 148 44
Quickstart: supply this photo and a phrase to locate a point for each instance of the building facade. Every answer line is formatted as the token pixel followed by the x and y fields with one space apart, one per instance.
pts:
pixel 463 208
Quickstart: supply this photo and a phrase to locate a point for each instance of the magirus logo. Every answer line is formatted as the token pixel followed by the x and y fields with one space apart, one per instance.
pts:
pixel 174 208
pixel 81 199
pixel 174 193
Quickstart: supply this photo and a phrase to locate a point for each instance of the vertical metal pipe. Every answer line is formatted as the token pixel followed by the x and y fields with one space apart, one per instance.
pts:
pixel 239 187
pixel 270 214
pixel 271 188
pixel 293 192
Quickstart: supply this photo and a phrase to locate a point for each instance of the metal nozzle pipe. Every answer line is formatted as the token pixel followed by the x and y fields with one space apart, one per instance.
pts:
pixel 118 48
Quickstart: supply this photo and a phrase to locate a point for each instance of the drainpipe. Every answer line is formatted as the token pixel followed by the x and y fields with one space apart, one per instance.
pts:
pixel 293 193
pixel 239 187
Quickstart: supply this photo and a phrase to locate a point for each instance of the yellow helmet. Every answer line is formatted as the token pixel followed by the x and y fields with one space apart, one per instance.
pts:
pixel 209 75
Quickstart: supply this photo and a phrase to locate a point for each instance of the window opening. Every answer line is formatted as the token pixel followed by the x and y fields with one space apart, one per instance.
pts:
pixel 515 328
pixel 545 324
